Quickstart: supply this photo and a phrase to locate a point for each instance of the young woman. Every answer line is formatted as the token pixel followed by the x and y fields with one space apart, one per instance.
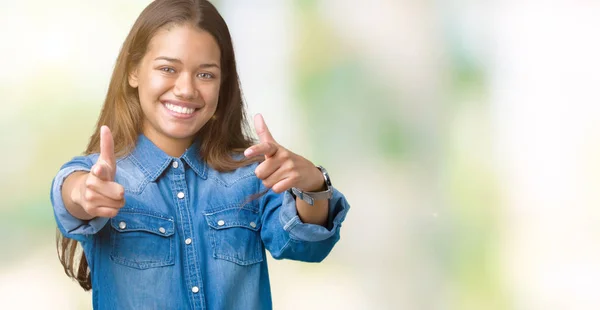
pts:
pixel 173 204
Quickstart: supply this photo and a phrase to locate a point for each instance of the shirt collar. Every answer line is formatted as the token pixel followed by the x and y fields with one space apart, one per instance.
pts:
pixel 153 161
pixel 192 157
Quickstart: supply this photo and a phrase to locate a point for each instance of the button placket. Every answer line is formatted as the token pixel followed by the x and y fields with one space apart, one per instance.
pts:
pixel 182 198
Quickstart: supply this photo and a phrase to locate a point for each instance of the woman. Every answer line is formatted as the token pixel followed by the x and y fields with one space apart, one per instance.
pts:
pixel 172 204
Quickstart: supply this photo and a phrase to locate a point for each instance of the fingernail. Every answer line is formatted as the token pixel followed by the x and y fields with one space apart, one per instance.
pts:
pixel 248 153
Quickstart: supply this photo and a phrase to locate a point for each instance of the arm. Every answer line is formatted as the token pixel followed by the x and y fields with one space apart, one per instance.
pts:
pixel 314 202
pixel 84 196
pixel 292 228
pixel 286 236
pixel 316 214
pixel 282 170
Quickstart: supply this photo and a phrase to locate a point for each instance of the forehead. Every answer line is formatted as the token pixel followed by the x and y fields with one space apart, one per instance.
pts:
pixel 185 42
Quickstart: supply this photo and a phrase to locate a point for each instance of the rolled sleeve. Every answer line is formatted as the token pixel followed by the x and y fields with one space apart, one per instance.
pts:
pixel 338 207
pixel 287 237
pixel 70 226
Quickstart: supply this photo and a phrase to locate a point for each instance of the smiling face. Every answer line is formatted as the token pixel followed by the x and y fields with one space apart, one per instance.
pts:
pixel 178 82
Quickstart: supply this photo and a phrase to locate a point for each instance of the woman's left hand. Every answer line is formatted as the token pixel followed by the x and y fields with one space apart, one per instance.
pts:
pixel 282 169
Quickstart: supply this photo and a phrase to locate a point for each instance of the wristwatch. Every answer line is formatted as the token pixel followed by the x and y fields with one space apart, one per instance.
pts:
pixel 310 197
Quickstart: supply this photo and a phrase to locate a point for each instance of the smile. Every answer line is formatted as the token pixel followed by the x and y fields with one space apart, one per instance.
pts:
pixel 179 109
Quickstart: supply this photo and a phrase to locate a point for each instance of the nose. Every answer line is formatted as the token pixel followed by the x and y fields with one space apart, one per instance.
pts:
pixel 184 87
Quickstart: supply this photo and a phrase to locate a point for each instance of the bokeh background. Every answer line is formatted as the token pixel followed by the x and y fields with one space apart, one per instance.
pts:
pixel 465 134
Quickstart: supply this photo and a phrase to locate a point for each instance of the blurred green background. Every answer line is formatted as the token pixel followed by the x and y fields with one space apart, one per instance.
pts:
pixel 465 135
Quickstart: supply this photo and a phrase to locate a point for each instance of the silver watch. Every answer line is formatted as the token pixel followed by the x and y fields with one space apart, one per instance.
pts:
pixel 310 197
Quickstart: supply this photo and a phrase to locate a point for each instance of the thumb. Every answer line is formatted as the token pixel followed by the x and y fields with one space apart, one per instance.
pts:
pixel 264 135
pixel 107 161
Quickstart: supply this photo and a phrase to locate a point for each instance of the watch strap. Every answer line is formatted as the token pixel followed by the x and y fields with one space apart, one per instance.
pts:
pixel 310 197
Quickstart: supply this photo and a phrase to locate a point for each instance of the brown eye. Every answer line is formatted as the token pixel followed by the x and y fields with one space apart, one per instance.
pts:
pixel 205 75
pixel 168 69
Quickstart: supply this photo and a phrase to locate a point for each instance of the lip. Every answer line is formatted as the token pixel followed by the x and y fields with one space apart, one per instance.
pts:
pixel 181 104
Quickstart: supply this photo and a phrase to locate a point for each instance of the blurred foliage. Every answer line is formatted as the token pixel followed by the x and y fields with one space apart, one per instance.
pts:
pixel 345 109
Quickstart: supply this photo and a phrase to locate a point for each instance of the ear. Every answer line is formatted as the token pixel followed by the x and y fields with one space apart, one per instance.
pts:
pixel 133 78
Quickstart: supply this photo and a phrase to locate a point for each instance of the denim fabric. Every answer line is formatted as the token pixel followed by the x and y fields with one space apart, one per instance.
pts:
pixel 187 237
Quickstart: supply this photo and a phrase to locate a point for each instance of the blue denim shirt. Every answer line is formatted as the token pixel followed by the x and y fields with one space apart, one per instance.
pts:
pixel 185 239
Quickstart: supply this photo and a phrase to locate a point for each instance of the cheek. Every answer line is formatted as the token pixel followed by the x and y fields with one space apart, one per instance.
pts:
pixel 153 85
pixel 210 94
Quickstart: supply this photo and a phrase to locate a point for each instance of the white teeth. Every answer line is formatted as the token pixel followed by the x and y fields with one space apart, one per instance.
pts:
pixel 179 109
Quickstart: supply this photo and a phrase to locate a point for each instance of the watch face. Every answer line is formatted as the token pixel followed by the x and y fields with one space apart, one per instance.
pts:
pixel 325 175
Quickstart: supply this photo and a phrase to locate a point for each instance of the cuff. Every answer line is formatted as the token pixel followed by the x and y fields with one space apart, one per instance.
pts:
pixel 288 216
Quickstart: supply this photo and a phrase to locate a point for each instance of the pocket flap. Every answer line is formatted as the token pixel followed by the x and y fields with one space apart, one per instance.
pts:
pixel 139 220
pixel 234 217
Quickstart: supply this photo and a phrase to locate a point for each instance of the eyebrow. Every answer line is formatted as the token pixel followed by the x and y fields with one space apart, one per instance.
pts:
pixel 203 66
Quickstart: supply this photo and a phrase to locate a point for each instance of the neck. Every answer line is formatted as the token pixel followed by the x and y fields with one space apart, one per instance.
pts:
pixel 171 146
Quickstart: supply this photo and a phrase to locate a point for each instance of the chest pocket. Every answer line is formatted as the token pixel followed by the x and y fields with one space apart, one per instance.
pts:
pixel 235 235
pixel 142 240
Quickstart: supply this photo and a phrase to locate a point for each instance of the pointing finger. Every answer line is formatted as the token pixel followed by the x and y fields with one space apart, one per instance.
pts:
pixel 262 130
pixel 107 151
pixel 267 149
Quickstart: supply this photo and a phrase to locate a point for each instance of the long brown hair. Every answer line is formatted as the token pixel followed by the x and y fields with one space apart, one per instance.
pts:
pixel 221 137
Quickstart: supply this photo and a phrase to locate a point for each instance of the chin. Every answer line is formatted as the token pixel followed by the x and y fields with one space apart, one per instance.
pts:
pixel 181 135
pixel 181 131
pixel 178 133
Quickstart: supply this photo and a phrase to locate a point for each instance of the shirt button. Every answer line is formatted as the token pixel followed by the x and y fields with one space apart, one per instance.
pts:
pixel 221 223
pixel 180 195
pixel 188 241
pixel 122 225
pixel 252 224
pixel 162 230
pixel 175 164
pixel 195 289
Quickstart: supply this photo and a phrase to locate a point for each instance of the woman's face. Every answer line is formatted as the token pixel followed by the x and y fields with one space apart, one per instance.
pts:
pixel 178 84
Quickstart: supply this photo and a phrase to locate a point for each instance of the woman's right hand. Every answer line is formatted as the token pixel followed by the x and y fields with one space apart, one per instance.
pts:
pixel 96 192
